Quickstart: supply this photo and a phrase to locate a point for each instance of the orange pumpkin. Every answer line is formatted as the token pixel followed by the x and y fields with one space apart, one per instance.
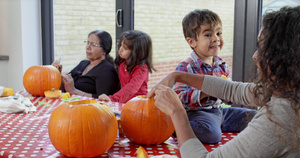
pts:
pixel 38 79
pixel 143 123
pixel 52 94
pixel 7 92
pixel 66 95
pixel 84 128
pixel 141 153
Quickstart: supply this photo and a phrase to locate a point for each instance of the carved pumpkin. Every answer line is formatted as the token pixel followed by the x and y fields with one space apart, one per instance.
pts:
pixel 66 95
pixel 38 79
pixel 84 128
pixel 53 94
pixel 143 123
pixel 8 92
pixel 141 153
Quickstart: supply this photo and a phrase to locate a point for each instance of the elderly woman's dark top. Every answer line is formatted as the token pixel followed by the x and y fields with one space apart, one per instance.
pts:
pixel 102 78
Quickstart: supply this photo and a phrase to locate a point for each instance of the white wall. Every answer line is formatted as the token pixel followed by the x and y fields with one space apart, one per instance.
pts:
pixel 20 39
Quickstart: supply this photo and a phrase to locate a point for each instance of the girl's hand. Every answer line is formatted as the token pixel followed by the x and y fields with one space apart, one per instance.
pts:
pixel 167 100
pixel 68 83
pixel 104 97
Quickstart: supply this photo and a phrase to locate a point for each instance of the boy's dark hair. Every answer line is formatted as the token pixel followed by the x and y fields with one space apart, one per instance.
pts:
pixel 105 41
pixel 140 45
pixel 191 23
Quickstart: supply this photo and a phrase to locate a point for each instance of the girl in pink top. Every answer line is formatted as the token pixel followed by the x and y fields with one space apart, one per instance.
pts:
pixel 134 61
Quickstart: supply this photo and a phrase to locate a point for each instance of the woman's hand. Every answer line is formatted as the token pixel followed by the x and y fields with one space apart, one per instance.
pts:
pixel 104 97
pixel 168 81
pixel 68 83
pixel 57 65
pixel 167 100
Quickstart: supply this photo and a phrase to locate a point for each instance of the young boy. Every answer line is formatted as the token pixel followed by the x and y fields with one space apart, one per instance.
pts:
pixel 202 30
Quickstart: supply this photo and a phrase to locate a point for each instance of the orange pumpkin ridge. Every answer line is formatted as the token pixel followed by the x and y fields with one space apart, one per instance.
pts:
pixel 82 128
pixel 143 123
pixel 38 79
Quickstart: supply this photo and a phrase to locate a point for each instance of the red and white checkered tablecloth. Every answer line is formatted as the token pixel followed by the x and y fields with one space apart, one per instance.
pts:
pixel 26 135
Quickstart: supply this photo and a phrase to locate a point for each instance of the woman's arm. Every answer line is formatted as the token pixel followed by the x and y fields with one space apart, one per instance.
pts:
pixel 236 92
pixel 251 142
pixel 107 82
pixel 69 86
pixel 168 102
pixel 194 80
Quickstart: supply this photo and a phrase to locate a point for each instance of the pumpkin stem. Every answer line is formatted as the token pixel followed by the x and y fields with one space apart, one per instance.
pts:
pixel 53 90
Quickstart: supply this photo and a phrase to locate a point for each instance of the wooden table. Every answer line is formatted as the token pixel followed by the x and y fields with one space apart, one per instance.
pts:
pixel 26 135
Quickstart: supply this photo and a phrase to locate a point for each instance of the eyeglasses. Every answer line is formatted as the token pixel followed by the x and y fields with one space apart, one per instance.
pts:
pixel 92 44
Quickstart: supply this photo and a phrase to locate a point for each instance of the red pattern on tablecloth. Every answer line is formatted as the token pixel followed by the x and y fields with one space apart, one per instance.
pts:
pixel 26 135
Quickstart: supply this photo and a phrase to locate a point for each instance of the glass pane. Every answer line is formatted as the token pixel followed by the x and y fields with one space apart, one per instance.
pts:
pixel 73 21
pixel 162 21
pixel 272 5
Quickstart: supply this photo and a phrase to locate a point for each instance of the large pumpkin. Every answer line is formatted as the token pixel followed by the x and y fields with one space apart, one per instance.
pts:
pixel 38 79
pixel 84 128
pixel 143 123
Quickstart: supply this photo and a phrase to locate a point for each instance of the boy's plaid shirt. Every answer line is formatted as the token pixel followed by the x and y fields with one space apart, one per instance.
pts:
pixel 188 95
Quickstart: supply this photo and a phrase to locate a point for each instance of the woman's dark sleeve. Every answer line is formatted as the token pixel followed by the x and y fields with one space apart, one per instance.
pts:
pixel 107 82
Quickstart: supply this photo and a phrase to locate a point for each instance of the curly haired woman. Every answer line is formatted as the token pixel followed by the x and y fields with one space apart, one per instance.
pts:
pixel 275 129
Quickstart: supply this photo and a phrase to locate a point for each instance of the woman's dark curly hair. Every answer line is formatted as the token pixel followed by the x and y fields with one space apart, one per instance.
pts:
pixel 278 57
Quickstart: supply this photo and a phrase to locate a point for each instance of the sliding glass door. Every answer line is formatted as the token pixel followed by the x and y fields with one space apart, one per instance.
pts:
pixel 73 21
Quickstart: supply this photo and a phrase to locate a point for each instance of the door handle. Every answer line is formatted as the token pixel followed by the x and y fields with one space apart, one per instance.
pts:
pixel 4 57
pixel 119 18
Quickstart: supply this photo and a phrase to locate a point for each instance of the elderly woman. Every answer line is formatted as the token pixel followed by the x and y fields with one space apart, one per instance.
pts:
pixel 97 74
pixel 275 129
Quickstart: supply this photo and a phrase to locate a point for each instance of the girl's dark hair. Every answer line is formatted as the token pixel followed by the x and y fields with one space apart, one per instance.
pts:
pixel 278 57
pixel 105 41
pixel 191 23
pixel 140 45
